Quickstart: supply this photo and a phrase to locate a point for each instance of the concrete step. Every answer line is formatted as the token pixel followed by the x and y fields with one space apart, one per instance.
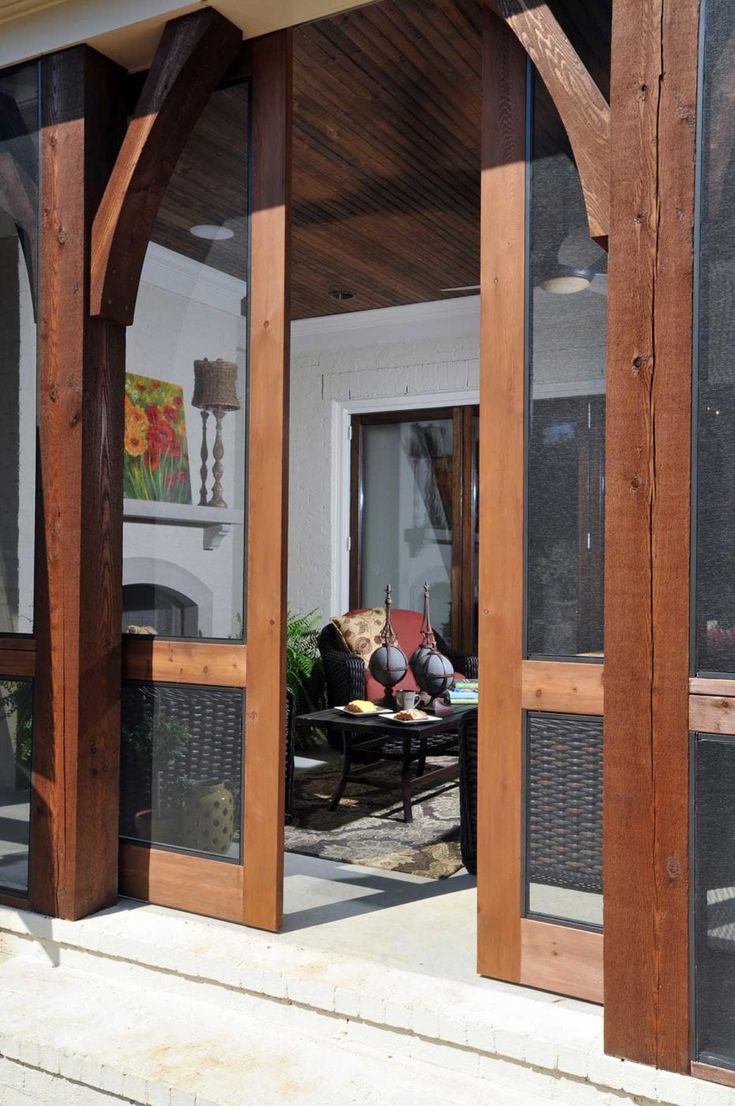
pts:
pixel 71 1038
pixel 493 1038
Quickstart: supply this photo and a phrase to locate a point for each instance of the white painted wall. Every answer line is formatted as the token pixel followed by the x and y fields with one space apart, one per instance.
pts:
pixel 391 358
pixel 402 357
pixel 185 312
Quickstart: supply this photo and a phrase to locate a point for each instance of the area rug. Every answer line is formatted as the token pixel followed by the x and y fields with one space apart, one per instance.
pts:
pixel 367 827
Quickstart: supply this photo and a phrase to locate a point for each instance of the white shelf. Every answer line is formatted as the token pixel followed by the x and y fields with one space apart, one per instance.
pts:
pixel 215 522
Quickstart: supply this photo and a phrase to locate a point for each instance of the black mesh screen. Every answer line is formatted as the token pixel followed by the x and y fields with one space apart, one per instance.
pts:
pixel 181 767
pixel 564 808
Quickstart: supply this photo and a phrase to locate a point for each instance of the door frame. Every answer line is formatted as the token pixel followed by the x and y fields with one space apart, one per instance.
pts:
pixel 340 498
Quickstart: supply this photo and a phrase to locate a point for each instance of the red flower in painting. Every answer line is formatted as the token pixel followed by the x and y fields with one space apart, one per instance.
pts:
pixel 162 439
pixel 153 413
pixel 178 401
pixel 170 412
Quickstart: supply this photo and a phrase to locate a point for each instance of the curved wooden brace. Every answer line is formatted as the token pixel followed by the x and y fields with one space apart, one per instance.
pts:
pixel 193 55
pixel 584 111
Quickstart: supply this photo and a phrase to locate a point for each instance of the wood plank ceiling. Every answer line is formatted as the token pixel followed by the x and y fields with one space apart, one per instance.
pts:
pixel 386 172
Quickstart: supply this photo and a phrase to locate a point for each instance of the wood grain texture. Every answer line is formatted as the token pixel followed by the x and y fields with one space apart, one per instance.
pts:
pixel 20 662
pixel 563 687
pixel 703 685
pixel 562 959
pixel 647 525
pixel 582 107
pixel 79 513
pixel 192 883
pixel 711 714
pixel 213 664
pixel 268 332
pixel 500 617
pixel 724 1076
pixel 193 55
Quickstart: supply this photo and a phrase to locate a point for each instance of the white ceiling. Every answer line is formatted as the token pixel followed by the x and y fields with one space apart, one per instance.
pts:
pixel 127 30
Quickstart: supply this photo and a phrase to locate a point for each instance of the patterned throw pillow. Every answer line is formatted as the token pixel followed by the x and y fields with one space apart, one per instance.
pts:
pixel 359 631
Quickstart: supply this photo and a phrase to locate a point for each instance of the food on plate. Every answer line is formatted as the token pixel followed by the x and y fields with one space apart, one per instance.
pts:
pixel 361 706
pixel 412 715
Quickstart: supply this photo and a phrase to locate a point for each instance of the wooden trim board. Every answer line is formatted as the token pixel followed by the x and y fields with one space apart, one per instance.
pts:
pixel 193 883
pixel 711 714
pixel 215 664
pixel 553 955
pixel 565 688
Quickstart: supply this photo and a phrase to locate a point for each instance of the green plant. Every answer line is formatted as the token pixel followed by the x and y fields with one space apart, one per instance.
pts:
pixel 157 736
pixel 16 698
pixel 304 671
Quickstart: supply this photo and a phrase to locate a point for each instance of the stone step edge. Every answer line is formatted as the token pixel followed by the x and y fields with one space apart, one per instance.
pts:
pixel 401 1004
pixel 79 1067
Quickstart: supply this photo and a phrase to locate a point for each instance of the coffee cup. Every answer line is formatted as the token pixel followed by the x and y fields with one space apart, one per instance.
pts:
pixel 406 700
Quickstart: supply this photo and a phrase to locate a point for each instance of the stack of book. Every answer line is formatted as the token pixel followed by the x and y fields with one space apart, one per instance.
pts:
pixel 464 693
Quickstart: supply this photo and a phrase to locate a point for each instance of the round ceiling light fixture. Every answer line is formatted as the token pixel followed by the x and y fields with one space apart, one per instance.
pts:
pixel 211 232
pixel 566 285
pixel 341 294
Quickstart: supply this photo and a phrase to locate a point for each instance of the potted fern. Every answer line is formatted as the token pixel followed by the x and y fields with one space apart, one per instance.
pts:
pixel 304 671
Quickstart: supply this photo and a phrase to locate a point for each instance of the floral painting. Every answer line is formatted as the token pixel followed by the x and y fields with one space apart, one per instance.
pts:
pixel 156 453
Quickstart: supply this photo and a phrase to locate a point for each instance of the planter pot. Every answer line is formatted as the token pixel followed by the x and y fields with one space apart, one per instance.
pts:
pixel 209 818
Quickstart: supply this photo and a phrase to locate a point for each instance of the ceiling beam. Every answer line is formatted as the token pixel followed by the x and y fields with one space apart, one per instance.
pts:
pixel 583 109
pixel 193 55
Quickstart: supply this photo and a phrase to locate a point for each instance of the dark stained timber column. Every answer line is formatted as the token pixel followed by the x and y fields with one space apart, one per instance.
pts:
pixel 74 846
pixel 646 799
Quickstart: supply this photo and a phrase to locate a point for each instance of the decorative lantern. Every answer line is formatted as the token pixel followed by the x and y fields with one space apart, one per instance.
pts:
pixel 215 390
pixel 433 672
pixel 388 664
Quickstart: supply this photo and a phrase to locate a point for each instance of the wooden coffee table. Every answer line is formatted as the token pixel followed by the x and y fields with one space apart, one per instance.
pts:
pixel 402 743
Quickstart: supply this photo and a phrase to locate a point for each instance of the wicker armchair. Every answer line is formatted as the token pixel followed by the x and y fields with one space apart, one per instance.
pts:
pixel 563 803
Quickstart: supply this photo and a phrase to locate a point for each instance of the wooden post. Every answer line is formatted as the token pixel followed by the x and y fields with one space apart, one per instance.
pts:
pixel 646 801
pixel 79 528
pixel 269 328
pixel 500 616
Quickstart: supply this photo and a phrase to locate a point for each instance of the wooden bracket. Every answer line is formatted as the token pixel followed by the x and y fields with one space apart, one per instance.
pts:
pixel 193 55
pixel 584 111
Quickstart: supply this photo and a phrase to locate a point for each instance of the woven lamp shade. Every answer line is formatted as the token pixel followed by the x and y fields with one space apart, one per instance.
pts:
pixel 215 385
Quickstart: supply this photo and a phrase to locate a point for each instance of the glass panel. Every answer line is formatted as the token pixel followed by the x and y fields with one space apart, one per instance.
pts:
pixel 715 478
pixel 16 740
pixel 181 767
pixel 185 438
pixel 18 297
pixel 564 817
pixel 475 527
pixel 714 900
pixel 567 334
pixel 407 515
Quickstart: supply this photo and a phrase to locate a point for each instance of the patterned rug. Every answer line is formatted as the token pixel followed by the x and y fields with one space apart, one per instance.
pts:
pixel 368 828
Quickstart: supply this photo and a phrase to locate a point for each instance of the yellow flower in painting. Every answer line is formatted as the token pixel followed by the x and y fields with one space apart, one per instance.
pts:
pixel 136 442
pixel 135 419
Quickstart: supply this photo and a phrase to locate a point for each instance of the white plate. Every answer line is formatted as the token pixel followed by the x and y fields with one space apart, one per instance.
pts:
pixel 412 721
pixel 367 714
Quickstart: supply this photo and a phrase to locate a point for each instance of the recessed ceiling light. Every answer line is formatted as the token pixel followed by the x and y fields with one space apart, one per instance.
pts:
pixel 341 294
pixel 211 232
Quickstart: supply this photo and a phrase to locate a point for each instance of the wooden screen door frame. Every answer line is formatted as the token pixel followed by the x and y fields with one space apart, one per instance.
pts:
pixel 251 891
pixel 513 947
